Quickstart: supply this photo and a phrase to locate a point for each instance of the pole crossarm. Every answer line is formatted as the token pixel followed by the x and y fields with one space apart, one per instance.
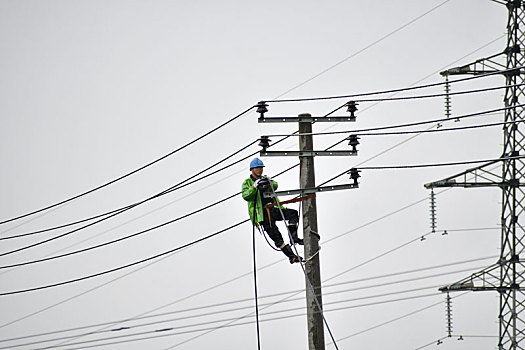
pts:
pixel 306 118
pixel 482 176
pixel 312 190
pixel 307 153
pixel 488 279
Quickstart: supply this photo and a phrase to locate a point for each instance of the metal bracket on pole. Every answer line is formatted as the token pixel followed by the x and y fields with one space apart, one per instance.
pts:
pixel 305 118
pixel 306 153
pixel 311 190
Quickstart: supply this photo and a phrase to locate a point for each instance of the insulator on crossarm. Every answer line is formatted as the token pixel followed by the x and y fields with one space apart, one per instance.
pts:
pixel 264 142
pixel 261 108
pixel 353 140
pixel 354 175
pixel 351 108
pixel 433 220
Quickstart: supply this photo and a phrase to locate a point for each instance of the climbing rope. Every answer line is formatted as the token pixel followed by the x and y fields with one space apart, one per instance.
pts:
pixel 255 273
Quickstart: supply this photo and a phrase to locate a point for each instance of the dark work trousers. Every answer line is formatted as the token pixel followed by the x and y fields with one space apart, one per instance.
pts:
pixel 275 215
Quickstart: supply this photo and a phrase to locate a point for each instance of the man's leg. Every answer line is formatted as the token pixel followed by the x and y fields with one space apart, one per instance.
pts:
pixel 293 222
pixel 271 228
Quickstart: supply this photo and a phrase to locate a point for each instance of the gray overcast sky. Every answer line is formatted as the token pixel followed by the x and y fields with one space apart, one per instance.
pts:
pixel 91 90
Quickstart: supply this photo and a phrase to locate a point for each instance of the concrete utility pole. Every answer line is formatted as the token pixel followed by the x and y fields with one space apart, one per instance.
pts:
pixel 306 154
pixel 311 242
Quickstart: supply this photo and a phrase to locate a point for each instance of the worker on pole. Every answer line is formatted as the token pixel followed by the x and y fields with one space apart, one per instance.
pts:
pixel 265 211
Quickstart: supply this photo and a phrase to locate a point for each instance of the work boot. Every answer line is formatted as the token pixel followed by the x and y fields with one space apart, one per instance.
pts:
pixel 287 250
pixel 295 237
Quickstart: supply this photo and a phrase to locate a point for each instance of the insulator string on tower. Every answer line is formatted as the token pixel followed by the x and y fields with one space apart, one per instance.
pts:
pixel 449 315
pixel 433 221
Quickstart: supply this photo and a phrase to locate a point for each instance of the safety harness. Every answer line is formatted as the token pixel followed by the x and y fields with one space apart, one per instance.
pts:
pixel 295 200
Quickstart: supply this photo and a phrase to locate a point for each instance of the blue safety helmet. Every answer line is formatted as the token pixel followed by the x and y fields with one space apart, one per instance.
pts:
pixel 256 163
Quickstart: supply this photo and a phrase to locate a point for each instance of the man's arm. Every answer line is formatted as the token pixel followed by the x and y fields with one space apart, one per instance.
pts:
pixel 248 191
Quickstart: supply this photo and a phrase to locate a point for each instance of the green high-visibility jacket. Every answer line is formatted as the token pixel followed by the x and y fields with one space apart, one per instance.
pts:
pixel 248 193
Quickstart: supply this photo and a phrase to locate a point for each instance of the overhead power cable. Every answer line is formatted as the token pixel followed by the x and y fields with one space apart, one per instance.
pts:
pixel 168 331
pixel 413 166
pixel 234 321
pixel 240 301
pixel 188 181
pixel 431 74
pixel 221 312
pixel 184 183
pixel 364 48
pixel 392 90
pixel 130 173
pixel 121 238
pixel 122 210
pixel 397 318
pixel 426 131
pixel 404 125
pixel 418 97
pixel 123 266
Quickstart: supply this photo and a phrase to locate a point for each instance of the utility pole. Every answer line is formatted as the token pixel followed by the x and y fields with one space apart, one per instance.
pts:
pixel 306 154
pixel 311 242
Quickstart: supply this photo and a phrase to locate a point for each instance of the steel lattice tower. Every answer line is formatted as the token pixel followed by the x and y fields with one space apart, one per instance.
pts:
pixel 506 276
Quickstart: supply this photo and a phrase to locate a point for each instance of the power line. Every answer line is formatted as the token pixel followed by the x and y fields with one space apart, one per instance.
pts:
pixel 361 50
pixel 84 292
pixel 122 210
pixel 127 328
pixel 424 166
pixel 417 97
pixel 432 343
pixel 397 318
pixel 429 75
pixel 121 238
pixel 392 90
pixel 186 182
pixel 441 130
pixel 239 301
pixel 130 173
pixel 234 319
pixel 413 166
pixel 124 266
pixel 404 125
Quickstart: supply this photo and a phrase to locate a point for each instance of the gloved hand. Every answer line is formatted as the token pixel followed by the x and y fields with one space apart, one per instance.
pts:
pixel 257 182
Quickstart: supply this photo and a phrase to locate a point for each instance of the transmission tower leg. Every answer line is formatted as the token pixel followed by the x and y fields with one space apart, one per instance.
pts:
pixel 512 301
